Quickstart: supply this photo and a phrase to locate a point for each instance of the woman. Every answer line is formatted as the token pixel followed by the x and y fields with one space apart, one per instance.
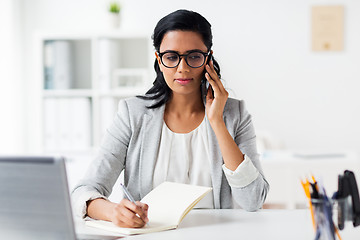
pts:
pixel 176 133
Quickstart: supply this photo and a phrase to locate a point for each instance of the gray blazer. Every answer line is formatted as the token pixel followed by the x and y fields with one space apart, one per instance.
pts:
pixel 131 143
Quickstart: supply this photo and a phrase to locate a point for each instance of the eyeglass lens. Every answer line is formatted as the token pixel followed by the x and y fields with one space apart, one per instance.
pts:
pixel 194 59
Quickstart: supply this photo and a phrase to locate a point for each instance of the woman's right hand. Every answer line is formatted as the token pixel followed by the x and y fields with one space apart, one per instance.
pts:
pixel 128 214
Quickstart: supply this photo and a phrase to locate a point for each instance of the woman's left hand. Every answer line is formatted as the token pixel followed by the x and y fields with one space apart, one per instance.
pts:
pixel 215 104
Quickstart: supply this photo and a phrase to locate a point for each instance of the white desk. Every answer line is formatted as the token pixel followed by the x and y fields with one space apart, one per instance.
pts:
pixel 239 224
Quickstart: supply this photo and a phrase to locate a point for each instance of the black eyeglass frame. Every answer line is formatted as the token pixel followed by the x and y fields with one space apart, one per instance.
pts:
pixel 185 57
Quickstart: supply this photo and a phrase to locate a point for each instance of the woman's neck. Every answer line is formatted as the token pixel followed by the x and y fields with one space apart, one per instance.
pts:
pixel 184 105
pixel 184 113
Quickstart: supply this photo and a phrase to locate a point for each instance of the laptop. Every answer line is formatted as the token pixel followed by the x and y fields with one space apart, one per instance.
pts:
pixel 35 200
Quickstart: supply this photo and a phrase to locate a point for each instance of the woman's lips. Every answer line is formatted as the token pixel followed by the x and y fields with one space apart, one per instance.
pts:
pixel 183 81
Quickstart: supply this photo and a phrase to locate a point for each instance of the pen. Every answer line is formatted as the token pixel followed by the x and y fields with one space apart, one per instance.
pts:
pixel 307 193
pixel 128 196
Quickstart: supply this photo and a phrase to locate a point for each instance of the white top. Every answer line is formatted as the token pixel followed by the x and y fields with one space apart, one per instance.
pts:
pixel 184 158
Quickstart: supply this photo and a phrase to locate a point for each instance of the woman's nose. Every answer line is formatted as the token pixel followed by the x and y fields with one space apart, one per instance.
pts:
pixel 182 65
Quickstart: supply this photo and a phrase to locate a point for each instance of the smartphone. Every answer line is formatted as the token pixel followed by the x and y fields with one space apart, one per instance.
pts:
pixel 207 84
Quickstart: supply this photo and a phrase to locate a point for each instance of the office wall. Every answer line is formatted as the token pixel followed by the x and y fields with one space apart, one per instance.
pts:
pixel 305 99
pixel 11 95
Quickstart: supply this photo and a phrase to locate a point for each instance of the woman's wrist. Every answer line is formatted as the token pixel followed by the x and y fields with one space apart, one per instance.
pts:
pixel 217 124
pixel 100 209
pixel 231 153
pixel 109 210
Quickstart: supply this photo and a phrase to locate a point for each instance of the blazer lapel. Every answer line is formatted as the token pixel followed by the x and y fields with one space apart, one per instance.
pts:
pixel 153 121
pixel 216 165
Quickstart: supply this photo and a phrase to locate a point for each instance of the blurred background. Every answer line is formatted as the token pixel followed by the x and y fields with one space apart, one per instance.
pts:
pixel 64 64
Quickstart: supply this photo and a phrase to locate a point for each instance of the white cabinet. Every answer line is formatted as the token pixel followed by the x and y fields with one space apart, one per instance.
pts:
pixel 284 169
pixel 82 77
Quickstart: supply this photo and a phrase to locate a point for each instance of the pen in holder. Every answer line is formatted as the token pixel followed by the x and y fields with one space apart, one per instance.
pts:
pixel 328 214
pixel 343 211
pixel 344 206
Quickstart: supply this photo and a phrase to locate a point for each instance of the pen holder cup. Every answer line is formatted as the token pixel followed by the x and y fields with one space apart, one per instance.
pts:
pixel 330 213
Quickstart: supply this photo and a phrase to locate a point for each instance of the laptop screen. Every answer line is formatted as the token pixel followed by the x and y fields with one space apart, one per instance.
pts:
pixel 34 199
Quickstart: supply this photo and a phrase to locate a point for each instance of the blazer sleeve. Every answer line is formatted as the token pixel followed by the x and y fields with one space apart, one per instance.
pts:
pixel 105 169
pixel 252 196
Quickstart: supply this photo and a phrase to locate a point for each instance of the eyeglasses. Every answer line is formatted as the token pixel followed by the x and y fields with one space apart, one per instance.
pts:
pixel 194 59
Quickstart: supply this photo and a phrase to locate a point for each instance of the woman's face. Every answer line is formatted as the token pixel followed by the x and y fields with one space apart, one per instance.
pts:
pixel 182 79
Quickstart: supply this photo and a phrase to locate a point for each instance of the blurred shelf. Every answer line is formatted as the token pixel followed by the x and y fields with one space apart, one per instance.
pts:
pixel 48 93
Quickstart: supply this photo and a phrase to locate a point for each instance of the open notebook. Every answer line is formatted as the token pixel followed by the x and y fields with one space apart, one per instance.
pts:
pixel 168 205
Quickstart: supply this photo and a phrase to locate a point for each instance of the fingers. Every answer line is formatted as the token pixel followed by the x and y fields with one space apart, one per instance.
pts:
pixel 128 214
pixel 209 93
pixel 213 83
pixel 130 218
pixel 210 80
pixel 144 206
pixel 213 78
pixel 211 70
pixel 209 96
pixel 142 210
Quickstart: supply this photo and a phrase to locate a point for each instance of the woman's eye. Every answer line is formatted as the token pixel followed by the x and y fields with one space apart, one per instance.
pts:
pixel 194 57
pixel 172 57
